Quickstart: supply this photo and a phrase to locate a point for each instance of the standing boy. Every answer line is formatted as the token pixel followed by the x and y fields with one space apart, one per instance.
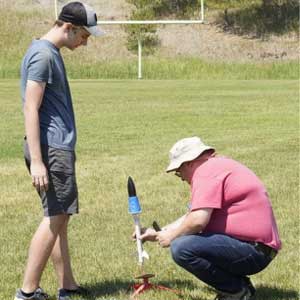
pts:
pixel 49 147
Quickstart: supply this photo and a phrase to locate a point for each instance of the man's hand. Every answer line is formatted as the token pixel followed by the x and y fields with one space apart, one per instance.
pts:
pixel 165 238
pixel 39 176
pixel 147 234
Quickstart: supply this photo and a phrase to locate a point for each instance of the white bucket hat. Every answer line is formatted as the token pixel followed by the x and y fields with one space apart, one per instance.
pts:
pixel 186 150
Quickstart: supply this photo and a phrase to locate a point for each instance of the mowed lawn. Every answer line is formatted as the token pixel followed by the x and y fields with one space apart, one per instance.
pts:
pixel 126 128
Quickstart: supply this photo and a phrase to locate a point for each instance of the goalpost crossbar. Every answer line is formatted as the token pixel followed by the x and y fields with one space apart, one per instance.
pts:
pixel 146 22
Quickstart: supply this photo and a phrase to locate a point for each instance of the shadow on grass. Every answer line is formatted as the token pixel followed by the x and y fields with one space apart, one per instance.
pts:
pixel 264 292
pixel 262 20
pixel 271 293
pixel 111 288
pixel 115 288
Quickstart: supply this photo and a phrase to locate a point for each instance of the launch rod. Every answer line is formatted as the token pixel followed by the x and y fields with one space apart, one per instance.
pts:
pixel 137 225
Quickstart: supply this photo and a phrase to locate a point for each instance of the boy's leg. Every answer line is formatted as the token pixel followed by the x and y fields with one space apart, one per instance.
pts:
pixel 40 249
pixel 61 260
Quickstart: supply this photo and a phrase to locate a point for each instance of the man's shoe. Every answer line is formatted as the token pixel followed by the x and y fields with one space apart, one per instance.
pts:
pixel 38 294
pixel 244 294
pixel 250 287
pixel 64 294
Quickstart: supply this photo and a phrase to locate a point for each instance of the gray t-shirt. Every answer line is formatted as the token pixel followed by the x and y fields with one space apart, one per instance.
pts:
pixel 43 63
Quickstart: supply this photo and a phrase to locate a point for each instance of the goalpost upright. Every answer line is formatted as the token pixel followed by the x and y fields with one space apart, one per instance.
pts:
pixel 146 22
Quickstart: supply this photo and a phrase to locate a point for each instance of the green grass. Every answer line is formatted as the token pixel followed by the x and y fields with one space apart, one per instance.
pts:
pixel 184 68
pixel 126 128
pixel 168 69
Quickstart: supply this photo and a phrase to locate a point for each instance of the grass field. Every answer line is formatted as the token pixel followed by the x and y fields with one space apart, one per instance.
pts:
pixel 126 128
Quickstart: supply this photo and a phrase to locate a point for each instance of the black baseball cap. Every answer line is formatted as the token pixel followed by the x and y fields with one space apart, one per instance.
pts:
pixel 81 14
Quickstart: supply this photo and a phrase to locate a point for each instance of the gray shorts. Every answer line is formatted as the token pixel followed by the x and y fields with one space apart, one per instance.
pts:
pixel 62 195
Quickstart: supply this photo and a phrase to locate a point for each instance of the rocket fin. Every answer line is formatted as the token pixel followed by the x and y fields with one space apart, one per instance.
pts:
pixel 145 254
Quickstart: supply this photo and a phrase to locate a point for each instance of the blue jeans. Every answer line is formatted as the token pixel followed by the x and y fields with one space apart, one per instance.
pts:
pixel 218 260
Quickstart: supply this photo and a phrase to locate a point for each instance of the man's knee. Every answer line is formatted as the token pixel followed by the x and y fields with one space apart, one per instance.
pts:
pixel 180 250
pixel 188 254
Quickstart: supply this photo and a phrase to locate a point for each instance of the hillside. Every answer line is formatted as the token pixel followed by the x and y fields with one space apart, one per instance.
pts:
pixel 24 20
pixel 206 41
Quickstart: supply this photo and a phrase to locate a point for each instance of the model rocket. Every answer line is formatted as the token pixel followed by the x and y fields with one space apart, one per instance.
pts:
pixel 135 210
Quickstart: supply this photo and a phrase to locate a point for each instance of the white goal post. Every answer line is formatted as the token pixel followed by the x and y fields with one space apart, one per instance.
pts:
pixel 147 22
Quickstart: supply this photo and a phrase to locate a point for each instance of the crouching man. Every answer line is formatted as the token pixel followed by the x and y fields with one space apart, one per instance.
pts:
pixel 229 231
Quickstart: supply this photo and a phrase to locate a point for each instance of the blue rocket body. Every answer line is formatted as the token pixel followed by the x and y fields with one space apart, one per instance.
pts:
pixel 134 205
pixel 133 200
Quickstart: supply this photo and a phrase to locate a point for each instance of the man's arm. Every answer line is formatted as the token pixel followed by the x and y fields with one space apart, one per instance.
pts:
pixel 193 222
pixel 33 100
pixel 175 224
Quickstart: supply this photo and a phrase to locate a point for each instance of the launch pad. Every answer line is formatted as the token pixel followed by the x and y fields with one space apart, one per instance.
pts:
pixel 145 285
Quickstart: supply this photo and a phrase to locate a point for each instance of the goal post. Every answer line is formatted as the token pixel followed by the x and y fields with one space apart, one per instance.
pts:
pixel 146 22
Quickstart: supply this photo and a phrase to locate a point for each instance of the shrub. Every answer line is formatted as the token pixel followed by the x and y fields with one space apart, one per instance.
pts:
pixel 150 10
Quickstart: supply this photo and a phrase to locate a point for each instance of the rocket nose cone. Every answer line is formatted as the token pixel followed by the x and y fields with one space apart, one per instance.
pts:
pixel 131 187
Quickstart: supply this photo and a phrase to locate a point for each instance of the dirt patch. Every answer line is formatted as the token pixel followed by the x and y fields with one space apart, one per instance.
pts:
pixel 208 42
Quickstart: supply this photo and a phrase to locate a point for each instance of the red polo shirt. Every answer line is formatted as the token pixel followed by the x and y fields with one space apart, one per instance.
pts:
pixel 242 208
